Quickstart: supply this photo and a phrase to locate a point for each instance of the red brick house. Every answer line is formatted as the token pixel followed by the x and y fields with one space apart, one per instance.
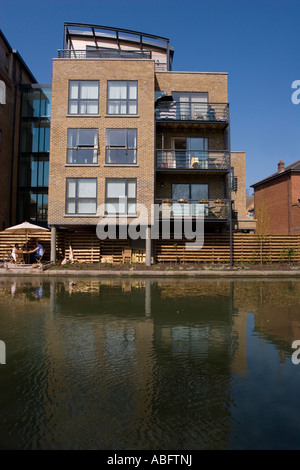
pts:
pixel 279 195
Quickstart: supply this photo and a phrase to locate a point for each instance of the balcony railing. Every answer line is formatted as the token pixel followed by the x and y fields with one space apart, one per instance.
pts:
pixel 103 54
pixel 193 160
pixel 200 112
pixel 208 209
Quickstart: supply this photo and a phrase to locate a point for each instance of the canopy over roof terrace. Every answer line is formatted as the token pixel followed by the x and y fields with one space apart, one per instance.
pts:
pixel 95 41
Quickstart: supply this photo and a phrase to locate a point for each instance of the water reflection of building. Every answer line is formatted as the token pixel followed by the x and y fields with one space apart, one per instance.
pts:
pixel 275 305
pixel 129 356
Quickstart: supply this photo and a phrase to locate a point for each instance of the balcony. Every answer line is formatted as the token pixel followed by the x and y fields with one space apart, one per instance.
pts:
pixel 196 112
pixel 213 210
pixel 106 53
pixel 195 160
pixel 103 54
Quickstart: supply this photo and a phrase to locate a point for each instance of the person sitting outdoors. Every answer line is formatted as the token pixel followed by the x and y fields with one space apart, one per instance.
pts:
pixel 15 251
pixel 36 253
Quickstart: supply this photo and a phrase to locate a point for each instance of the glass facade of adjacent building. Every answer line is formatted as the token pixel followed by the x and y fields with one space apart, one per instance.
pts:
pixel 34 154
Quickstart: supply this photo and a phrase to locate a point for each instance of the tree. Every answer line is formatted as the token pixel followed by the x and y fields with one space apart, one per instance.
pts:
pixel 262 224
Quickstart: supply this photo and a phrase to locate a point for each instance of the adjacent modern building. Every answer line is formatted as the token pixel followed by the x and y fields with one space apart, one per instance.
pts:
pixel 14 73
pixel 277 200
pixel 33 166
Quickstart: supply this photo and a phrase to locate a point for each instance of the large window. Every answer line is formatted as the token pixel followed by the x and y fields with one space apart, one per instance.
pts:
pixel 187 191
pixel 2 92
pixel 122 97
pixel 191 105
pixel 83 97
pixel 34 171
pixel 192 193
pixel 121 146
pixel 82 146
pixel 33 168
pixel 121 197
pixel 81 196
pixel 190 152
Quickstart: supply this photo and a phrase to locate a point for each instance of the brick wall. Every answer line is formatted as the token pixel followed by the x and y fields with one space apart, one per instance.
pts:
pixel 273 196
pixel 102 70
pixel 294 203
pixel 213 83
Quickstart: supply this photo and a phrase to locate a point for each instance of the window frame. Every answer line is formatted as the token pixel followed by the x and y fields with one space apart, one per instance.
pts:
pixel 190 189
pixel 121 100
pixel 77 199
pixel 117 199
pixel 126 148
pixel 79 100
pixel 78 147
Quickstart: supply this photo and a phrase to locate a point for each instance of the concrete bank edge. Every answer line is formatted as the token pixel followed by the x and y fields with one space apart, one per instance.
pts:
pixel 108 273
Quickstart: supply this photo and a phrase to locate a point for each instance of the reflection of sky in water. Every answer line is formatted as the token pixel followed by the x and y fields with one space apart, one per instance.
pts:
pixel 265 401
pixel 156 364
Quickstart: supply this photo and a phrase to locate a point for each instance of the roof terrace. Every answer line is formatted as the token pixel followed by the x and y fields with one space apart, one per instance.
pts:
pixel 86 41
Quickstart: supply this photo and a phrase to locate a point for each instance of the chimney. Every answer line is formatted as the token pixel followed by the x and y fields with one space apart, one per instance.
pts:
pixel 280 166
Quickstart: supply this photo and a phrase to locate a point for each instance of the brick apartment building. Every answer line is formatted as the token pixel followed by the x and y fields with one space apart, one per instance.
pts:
pixel 127 131
pixel 14 73
pixel 277 199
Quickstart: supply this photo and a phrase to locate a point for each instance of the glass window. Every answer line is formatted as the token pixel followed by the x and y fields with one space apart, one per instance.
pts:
pixel 122 97
pixel 36 136
pixel 191 105
pixel 81 196
pixel 36 102
pixel 121 196
pixel 121 146
pixel 33 205
pixel 82 146
pixel 193 192
pixel 34 171
pixel 2 92
pixel 83 97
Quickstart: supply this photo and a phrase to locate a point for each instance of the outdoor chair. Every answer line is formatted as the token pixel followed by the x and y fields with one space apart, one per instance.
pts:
pixel 126 255
pixel 20 257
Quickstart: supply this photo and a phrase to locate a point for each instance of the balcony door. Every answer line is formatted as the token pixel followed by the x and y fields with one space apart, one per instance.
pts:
pixel 190 152
pixel 193 193
pixel 191 105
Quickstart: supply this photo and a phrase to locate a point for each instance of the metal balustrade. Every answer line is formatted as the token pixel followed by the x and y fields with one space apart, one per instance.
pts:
pixel 193 160
pixel 213 209
pixel 103 54
pixel 193 111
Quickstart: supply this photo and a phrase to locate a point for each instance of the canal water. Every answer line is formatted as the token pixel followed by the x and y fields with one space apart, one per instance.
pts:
pixel 157 364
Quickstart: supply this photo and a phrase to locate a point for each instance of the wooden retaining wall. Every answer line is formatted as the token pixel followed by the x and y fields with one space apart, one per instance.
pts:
pixel 88 248
pixel 246 248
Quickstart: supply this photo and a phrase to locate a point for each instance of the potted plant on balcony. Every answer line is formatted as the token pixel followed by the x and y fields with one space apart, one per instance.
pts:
pixel 167 201
pixel 183 201
pixel 203 201
pixel 218 201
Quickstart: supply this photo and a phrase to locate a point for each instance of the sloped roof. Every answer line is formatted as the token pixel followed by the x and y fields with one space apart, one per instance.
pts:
pixel 293 167
pixel 249 201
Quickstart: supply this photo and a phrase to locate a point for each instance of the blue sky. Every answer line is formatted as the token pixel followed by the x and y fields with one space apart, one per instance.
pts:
pixel 255 41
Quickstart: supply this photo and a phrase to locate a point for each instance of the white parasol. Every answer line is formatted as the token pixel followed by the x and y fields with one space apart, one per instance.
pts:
pixel 26 228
